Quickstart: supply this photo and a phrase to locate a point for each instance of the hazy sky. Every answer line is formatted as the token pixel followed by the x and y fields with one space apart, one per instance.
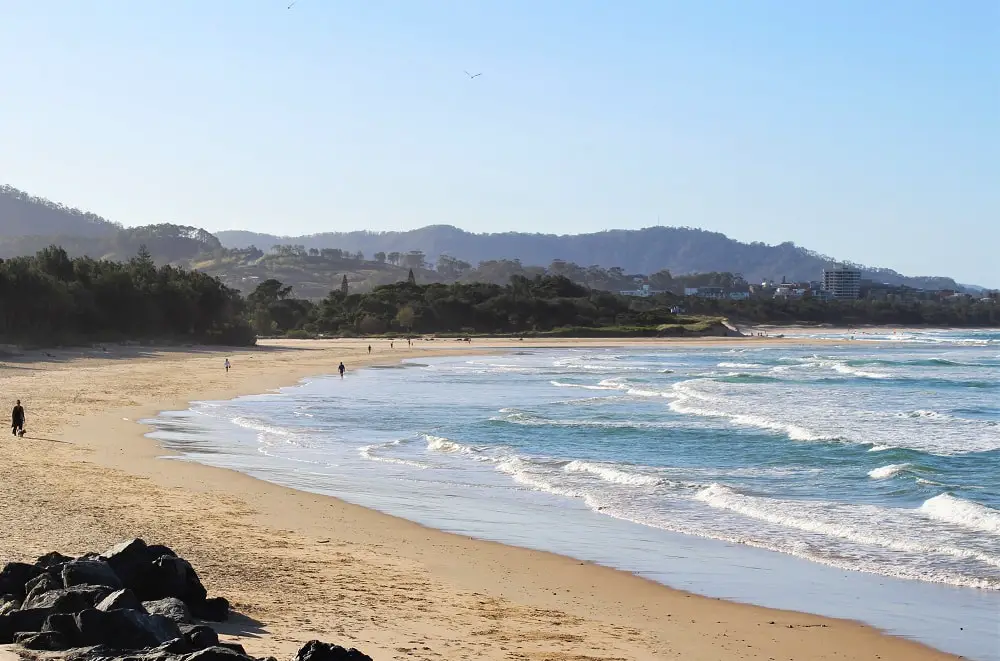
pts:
pixel 864 130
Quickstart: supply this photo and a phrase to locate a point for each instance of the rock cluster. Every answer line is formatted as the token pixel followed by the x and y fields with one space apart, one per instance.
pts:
pixel 134 602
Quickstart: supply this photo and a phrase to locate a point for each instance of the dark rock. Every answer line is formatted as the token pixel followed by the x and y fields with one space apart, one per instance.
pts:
pixel 175 577
pixel 171 608
pixel 215 609
pixel 14 575
pixel 159 550
pixel 63 624
pixel 26 619
pixel 120 599
pixel 175 646
pixel 199 636
pixel 124 629
pixel 8 603
pixel 53 559
pixel 68 600
pixel 315 650
pixel 41 584
pixel 90 572
pixel 236 647
pixel 164 628
pixel 130 561
pixel 48 641
pixel 216 653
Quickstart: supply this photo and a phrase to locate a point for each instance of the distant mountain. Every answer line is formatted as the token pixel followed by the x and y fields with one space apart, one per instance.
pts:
pixel 29 223
pixel 680 250
pixel 22 214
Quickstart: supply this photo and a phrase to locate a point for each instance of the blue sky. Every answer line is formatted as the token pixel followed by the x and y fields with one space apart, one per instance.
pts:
pixel 865 130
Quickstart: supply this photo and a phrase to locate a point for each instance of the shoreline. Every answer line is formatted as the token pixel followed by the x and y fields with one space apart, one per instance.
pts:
pixel 488 597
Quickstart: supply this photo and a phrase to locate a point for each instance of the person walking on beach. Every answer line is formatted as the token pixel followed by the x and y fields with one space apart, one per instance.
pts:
pixel 341 369
pixel 369 349
pixel 17 419
pixel 227 365
pixel 392 345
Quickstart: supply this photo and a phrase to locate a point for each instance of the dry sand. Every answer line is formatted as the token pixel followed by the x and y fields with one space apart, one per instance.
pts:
pixel 299 566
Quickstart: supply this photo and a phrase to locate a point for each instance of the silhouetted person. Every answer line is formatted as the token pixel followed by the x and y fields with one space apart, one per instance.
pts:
pixel 369 348
pixel 17 419
pixel 341 368
pixel 392 345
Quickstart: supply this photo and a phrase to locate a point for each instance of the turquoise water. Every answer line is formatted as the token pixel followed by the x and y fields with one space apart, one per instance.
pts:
pixel 858 480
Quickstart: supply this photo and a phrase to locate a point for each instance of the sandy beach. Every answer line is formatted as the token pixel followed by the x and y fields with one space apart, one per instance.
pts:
pixel 298 566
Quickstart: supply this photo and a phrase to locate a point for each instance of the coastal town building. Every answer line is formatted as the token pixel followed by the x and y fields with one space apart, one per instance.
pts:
pixel 842 282
pixel 643 291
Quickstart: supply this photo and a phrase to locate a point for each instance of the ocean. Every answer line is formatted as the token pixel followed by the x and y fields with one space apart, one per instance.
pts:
pixel 859 479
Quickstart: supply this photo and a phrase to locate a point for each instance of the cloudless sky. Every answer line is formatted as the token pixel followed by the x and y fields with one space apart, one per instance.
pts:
pixel 866 130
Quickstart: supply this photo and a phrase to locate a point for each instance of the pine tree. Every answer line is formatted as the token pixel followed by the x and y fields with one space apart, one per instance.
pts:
pixel 343 285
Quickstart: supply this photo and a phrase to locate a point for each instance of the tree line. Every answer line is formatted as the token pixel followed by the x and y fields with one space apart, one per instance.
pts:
pixel 52 298
pixel 539 304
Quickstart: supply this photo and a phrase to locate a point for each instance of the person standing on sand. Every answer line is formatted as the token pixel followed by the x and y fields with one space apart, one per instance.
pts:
pixel 369 349
pixel 227 365
pixel 17 419
pixel 341 368
pixel 392 345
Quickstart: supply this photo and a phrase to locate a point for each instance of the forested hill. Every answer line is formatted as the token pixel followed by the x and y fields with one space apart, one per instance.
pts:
pixel 678 249
pixel 22 214
pixel 29 224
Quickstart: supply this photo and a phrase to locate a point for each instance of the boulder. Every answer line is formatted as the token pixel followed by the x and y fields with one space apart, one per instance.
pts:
pixel 199 636
pixel 171 608
pixel 315 650
pixel 216 653
pixel 130 561
pixel 215 609
pixel 236 647
pixel 120 599
pixel 46 641
pixel 68 600
pixel 52 560
pixel 42 583
pixel 63 624
pixel 124 629
pixel 13 577
pixel 90 572
pixel 26 619
pixel 171 576
pixel 9 603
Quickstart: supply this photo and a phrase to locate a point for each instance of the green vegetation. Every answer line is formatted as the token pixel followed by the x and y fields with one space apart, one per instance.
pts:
pixel 50 298
pixel 543 305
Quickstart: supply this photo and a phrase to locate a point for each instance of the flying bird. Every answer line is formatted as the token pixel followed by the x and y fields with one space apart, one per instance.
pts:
pixel 293 4
pixel 471 76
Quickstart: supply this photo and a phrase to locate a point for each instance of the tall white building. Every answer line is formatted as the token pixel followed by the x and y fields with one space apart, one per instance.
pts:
pixel 842 282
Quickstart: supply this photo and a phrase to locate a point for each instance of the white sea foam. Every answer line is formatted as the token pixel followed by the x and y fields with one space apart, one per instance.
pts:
pixel 881 448
pixel 885 472
pixel 925 413
pixel 441 444
pixel 860 524
pixel 610 473
pixel 686 392
pixel 961 512
pixel 738 366
pixel 585 386
pixel 369 452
